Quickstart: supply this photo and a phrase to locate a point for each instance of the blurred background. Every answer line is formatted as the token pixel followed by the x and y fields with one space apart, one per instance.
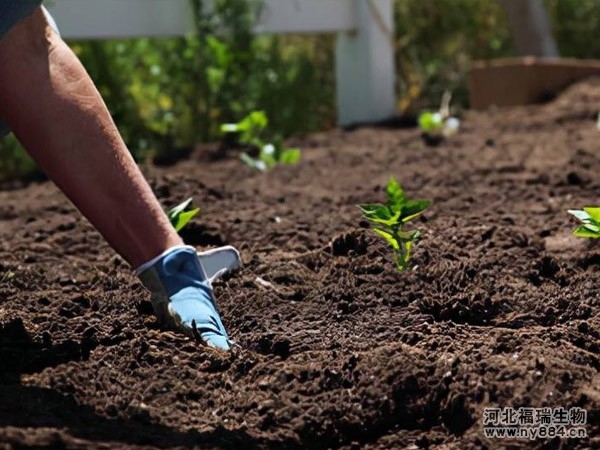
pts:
pixel 168 94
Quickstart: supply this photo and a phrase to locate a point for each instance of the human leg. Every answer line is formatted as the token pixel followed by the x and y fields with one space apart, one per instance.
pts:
pixel 57 113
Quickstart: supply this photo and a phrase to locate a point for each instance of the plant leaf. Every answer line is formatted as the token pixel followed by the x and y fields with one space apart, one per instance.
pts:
pixel 430 121
pixel 249 128
pixel 247 159
pixel 290 156
pixel 413 208
pixel 179 217
pixel 378 213
pixel 407 236
pixel 230 128
pixel 579 214
pixel 390 239
pixel 254 122
pixel 592 227
pixel 268 160
pixel 375 210
pixel 177 210
pixel 393 220
pixel 183 218
pixel 583 232
pixel 395 194
pixel 594 212
pixel 256 164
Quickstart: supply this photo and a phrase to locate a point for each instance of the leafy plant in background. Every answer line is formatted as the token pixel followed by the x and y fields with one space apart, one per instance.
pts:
pixel 388 220
pixel 590 221
pixel 15 163
pixel 250 132
pixel 179 217
pixel 250 129
pixel 166 94
pixel 437 42
pixel 437 125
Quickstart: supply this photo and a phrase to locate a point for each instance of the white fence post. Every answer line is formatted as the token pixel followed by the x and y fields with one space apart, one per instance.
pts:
pixel 365 68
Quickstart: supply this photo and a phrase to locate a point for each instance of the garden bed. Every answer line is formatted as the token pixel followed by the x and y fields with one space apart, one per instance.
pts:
pixel 338 348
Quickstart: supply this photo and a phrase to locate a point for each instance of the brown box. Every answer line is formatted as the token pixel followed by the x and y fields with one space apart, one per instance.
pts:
pixel 522 81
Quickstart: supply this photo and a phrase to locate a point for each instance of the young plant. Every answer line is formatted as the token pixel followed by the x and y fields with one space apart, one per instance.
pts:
pixel 437 125
pixel 250 131
pixel 389 219
pixel 179 217
pixel 590 221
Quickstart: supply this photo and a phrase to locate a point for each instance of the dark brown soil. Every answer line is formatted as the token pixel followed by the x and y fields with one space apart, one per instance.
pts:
pixel 338 348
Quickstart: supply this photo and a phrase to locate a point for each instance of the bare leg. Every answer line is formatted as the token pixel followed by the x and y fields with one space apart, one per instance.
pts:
pixel 57 113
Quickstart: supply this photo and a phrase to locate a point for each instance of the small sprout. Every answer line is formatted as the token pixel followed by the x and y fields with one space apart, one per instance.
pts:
pixel 590 222
pixel 430 122
pixel 388 221
pixel 249 129
pixel 179 217
pixel 437 125
pixel 270 152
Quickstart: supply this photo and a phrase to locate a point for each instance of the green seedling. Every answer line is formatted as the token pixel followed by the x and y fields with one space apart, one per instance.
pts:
pixel 436 125
pixel 250 131
pixel 179 217
pixel 431 122
pixel 590 222
pixel 389 219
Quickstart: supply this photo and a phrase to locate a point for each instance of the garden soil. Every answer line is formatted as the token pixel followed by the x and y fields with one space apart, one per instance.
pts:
pixel 337 349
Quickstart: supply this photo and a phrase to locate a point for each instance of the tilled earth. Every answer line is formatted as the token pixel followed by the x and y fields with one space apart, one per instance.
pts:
pixel 337 348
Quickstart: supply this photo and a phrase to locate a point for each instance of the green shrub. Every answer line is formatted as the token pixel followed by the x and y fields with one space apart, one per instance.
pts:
pixel 15 163
pixel 436 43
pixel 166 94
pixel 180 90
pixel 575 27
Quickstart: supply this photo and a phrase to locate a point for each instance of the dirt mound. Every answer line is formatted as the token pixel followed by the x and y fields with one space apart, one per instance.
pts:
pixel 338 349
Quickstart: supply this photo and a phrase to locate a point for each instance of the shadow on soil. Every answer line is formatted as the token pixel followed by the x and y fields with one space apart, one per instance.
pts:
pixel 23 407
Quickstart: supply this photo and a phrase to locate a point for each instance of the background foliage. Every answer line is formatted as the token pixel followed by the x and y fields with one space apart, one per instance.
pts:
pixel 167 94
